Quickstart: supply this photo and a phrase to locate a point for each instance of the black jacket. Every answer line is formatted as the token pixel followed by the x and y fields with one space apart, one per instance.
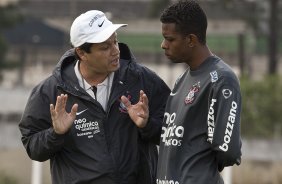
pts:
pixel 101 147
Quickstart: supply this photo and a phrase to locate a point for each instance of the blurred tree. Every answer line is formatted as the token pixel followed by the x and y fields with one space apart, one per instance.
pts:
pixel 3 50
pixel 263 18
pixel 262 104
pixel 9 16
pixel 273 37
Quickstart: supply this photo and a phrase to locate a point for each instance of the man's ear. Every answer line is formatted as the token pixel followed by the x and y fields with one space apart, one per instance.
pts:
pixel 80 53
pixel 192 40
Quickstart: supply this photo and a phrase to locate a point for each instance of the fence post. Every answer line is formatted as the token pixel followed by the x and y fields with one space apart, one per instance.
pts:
pixel 36 172
pixel 227 175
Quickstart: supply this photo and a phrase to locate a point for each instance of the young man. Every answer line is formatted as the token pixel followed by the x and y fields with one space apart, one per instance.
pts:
pixel 76 117
pixel 201 129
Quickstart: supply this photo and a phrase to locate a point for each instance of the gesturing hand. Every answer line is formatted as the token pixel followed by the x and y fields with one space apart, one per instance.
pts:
pixel 139 113
pixel 62 120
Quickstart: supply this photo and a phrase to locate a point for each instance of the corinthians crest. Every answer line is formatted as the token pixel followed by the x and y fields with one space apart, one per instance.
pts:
pixel 192 92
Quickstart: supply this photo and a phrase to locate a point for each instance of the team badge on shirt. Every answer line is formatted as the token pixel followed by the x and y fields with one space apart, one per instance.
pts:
pixel 122 107
pixel 189 99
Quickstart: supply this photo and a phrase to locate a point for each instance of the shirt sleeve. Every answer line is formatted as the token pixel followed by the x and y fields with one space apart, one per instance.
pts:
pixel 224 122
pixel 38 136
pixel 157 102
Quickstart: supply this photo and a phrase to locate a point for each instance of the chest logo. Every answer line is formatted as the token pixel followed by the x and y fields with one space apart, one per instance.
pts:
pixel 189 99
pixel 122 107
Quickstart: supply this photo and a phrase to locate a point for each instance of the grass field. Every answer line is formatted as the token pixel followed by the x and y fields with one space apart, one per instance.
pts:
pixel 218 43
pixel 142 42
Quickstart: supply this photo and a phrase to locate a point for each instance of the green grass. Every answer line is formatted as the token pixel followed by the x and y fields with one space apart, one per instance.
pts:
pixel 147 43
pixel 7 179
pixel 150 43
pixel 222 43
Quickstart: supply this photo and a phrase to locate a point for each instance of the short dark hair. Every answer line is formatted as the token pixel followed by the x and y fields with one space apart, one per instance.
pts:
pixel 85 47
pixel 189 18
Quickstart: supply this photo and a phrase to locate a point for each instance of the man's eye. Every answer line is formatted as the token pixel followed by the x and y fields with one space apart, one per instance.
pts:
pixel 105 47
pixel 167 39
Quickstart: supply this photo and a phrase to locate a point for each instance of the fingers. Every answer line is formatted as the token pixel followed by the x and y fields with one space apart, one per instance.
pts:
pixel 61 102
pixel 144 102
pixel 140 96
pixel 64 100
pixel 143 98
pixel 52 110
pixel 74 110
pixel 125 101
pixel 60 105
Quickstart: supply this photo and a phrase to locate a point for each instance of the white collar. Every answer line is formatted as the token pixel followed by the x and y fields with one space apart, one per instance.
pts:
pixel 84 84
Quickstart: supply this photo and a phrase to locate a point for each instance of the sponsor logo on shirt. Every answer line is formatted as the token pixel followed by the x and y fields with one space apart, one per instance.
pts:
pixel 86 128
pixel 214 76
pixel 78 113
pixel 189 99
pixel 172 134
pixel 122 107
pixel 226 93
pixel 211 121
pixel 229 127
pixel 165 181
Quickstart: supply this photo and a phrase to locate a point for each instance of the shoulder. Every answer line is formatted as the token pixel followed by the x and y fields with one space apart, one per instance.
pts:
pixel 45 90
pixel 223 70
pixel 223 74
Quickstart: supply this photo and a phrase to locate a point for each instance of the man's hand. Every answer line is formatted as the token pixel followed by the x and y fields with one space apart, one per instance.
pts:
pixel 139 113
pixel 62 121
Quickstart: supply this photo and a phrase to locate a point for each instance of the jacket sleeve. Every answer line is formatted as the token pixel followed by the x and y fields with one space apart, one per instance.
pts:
pixel 158 95
pixel 38 136
pixel 224 122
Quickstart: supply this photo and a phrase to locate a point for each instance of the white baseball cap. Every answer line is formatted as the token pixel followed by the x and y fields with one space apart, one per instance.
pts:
pixel 92 27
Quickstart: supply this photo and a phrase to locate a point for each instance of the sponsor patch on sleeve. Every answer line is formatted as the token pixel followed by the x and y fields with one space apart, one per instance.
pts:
pixel 226 93
pixel 214 76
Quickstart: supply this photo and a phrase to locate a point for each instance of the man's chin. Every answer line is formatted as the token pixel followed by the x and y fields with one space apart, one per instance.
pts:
pixel 174 60
pixel 115 68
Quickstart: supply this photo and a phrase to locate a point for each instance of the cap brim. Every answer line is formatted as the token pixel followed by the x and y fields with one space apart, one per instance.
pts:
pixel 105 34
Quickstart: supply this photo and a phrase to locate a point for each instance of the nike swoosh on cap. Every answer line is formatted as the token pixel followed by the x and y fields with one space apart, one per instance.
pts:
pixel 78 113
pixel 100 25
